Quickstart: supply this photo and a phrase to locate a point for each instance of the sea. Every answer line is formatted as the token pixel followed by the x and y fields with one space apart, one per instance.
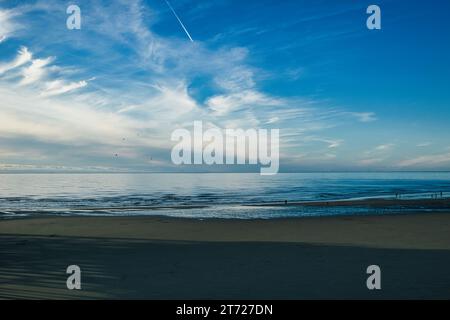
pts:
pixel 211 195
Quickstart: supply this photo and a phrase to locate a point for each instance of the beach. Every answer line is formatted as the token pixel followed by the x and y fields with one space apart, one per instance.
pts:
pixel 224 150
pixel 158 257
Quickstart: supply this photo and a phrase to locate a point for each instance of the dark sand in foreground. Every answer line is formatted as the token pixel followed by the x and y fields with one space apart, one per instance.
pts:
pixel 165 258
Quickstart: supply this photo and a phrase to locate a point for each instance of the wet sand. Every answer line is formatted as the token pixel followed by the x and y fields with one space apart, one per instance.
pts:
pixel 442 203
pixel 172 258
pixel 373 202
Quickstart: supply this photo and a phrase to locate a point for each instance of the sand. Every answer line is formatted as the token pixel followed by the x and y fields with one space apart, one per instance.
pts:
pixel 173 258
pixel 368 203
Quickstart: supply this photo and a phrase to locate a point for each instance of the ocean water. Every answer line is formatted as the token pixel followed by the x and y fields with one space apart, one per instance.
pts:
pixel 208 195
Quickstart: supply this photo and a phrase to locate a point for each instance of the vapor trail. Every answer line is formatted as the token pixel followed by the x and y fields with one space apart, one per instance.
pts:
pixel 179 20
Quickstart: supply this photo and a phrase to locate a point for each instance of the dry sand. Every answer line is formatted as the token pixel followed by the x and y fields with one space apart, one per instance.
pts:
pixel 168 258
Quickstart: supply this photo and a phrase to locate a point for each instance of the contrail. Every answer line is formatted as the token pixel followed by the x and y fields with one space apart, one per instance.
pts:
pixel 181 23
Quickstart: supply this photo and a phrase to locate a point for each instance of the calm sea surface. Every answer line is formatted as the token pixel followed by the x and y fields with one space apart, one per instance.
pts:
pixel 206 195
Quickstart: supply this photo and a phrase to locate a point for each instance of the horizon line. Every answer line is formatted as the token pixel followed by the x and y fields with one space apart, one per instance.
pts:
pixel 215 172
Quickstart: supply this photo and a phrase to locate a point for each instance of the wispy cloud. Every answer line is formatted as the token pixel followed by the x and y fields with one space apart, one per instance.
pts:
pixel 57 87
pixel 331 143
pixel 423 144
pixel 426 161
pixel 382 147
pixel 371 161
pixel 376 155
pixel 22 58
pixel 364 116
pixel 7 26
pixel 223 104
pixel 36 71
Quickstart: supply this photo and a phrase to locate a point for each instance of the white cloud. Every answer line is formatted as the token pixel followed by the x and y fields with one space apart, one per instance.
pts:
pixel 380 149
pixel 331 143
pixel 57 87
pixel 36 71
pixel 423 144
pixel 167 104
pixel 25 115
pixel 377 154
pixel 272 120
pixel 223 104
pixel 384 147
pixel 368 162
pixel 426 161
pixel 7 26
pixel 236 79
pixel 23 56
pixel 364 116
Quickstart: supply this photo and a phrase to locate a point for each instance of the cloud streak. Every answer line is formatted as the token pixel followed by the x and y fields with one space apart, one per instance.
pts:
pixel 426 161
pixel 7 27
pixel 36 71
pixel 58 87
pixel 24 56
pixel 179 20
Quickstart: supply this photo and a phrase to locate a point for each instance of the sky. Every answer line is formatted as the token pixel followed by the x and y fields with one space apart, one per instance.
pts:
pixel 108 96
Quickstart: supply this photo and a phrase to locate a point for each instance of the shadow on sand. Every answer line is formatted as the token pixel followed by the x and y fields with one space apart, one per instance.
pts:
pixel 33 267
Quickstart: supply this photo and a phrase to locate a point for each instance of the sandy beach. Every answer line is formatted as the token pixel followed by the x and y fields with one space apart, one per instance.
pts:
pixel 171 258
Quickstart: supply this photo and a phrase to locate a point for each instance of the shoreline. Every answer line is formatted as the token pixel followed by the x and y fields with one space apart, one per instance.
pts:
pixel 392 206
pixel 415 212
pixel 367 202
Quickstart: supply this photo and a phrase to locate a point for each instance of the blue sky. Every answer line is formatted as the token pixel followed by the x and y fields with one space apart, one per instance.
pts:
pixel 344 97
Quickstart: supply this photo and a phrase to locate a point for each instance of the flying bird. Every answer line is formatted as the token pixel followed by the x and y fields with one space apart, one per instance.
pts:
pixel 179 20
